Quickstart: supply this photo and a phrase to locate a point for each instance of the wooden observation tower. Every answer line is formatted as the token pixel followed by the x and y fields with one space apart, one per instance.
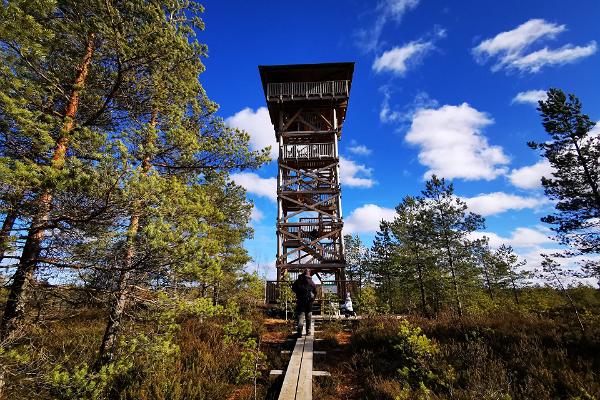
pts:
pixel 307 105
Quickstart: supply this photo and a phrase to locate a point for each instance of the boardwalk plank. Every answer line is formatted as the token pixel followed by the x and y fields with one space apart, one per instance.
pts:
pixel 304 391
pixel 290 381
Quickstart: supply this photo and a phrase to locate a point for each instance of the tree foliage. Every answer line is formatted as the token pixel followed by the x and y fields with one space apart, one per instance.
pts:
pixel 574 153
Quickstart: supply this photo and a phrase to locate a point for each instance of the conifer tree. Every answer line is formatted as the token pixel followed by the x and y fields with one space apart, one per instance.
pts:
pixel 508 270
pixel 452 225
pixel 185 221
pixel 413 233
pixel 574 153
pixel 383 265
pixel 47 54
pixel 354 253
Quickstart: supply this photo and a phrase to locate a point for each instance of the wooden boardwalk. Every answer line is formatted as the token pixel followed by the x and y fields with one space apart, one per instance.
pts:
pixel 297 383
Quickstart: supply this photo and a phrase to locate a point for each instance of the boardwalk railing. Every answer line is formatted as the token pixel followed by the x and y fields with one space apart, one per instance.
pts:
pixel 307 89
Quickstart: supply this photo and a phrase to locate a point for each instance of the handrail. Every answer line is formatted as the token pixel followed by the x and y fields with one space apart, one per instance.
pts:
pixel 308 151
pixel 308 89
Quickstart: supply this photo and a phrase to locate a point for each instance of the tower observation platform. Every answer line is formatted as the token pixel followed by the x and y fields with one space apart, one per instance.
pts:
pixel 307 105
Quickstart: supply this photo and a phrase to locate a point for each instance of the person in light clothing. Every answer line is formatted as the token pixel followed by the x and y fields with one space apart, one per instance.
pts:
pixel 347 308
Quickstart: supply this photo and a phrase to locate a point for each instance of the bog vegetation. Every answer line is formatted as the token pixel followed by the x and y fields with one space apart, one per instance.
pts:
pixel 122 237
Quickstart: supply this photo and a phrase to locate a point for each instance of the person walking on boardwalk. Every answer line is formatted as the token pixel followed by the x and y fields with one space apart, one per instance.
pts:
pixel 306 291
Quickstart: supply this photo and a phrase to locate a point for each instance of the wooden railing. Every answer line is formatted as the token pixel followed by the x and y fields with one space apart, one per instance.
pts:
pixel 308 151
pixel 339 288
pixel 307 89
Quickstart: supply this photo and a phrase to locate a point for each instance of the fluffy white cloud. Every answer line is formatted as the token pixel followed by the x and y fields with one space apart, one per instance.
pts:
pixel 263 187
pixel 386 10
pixel 530 177
pixel 530 97
pixel 360 149
pixel 355 175
pixel 366 219
pixel 512 48
pixel 398 59
pixel 520 238
pixel 499 202
pixel 258 125
pixel 452 145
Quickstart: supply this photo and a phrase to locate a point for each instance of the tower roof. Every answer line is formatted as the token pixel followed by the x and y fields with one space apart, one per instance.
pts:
pixel 341 71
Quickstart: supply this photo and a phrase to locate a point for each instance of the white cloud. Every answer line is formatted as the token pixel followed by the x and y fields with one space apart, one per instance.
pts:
pixel 512 48
pixel 366 219
pixel 520 238
pixel 499 202
pixel 386 114
pixel 419 102
pixel 511 43
pixel 567 54
pixel 530 177
pixel 386 10
pixel 530 97
pixel 258 125
pixel 399 59
pixel 360 149
pixel 263 187
pixel 266 269
pixel 452 145
pixel 355 175
pixel 256 215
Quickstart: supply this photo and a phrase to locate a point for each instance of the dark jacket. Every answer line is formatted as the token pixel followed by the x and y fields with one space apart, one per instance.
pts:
pixel 303 286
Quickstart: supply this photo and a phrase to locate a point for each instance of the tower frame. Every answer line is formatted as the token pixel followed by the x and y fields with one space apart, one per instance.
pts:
pixel 307 106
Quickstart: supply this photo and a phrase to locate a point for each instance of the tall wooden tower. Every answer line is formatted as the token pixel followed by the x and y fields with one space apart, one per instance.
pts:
pixel 307 105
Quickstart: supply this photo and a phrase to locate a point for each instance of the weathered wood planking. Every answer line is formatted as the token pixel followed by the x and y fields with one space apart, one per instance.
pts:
pixel 304 391
pixel 290 381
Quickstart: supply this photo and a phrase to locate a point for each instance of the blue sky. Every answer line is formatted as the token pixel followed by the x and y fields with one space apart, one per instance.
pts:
pixel 439 86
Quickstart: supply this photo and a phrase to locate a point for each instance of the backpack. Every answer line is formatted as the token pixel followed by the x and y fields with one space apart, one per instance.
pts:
pixel 309 296
pixel 305 294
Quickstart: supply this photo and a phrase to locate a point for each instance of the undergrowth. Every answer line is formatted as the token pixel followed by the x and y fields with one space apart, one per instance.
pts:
pixel 496 356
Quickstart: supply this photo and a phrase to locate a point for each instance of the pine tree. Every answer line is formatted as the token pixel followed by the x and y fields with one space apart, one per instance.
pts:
pixel 182 151
pixel 484 257
pixel 508 270
pixel 383 265
pixel 574 153
pixel 452 225
pixel 47 55
pixel 354 253
pixel 413 233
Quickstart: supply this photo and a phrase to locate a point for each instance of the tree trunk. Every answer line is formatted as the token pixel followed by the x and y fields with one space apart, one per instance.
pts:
pixel 7 226
pixel 487 281
pixel 422 288
pixel 454 280
pixel 17 297
pixel 514 288
pixel 121 295
pixel 14 310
